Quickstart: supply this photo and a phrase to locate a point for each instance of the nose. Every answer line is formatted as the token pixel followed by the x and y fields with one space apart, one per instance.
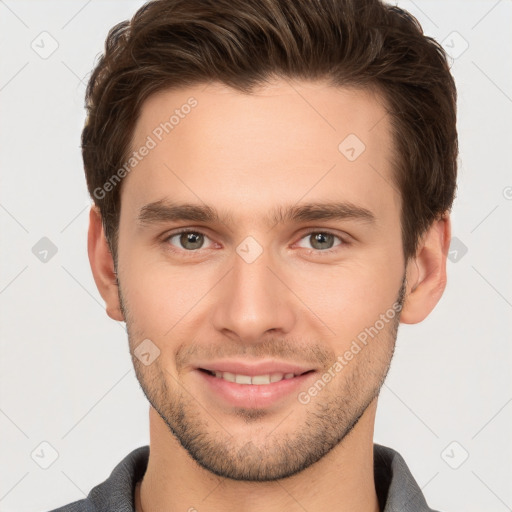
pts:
pixel 254 301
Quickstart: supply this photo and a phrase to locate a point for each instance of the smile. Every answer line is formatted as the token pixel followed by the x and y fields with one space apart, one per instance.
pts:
pixel 258 380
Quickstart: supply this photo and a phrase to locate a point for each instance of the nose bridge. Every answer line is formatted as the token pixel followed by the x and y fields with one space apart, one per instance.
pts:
pixel 252 300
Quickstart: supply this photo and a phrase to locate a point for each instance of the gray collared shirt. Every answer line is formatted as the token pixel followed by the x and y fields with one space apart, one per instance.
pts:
pixel 396 488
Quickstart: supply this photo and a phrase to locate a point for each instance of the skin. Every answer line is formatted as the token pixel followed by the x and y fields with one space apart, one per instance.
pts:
pixel 244 155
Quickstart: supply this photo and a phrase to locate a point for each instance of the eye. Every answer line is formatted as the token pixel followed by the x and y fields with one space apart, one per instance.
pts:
pixel 188 240
pixel 191 241
pixel 321 241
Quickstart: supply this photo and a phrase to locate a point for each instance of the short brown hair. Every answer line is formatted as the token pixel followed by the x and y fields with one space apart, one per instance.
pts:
pixel 242 44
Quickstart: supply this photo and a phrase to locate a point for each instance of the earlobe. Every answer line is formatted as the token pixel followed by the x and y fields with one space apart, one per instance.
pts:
pixel 102 265
pixel 426 272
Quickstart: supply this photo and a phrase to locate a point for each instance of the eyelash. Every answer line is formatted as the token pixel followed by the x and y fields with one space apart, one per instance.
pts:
pixel 193 253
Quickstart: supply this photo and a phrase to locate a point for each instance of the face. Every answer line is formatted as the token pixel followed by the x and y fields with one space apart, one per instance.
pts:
pixel 292 253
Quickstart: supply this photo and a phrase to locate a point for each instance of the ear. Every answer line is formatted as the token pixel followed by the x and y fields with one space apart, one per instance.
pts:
pixel 102 265
pixel 426 272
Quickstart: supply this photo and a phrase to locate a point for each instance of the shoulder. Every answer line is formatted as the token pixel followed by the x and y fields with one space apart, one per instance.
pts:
pixel 395 485
pixel 116 492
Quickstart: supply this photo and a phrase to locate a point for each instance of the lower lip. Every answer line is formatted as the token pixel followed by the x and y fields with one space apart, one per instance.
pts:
pixel 253 395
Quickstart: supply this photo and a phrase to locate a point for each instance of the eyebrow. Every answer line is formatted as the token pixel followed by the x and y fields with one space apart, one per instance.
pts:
pixel 167 211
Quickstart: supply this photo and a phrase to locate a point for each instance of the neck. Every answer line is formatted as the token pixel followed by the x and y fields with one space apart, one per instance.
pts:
pixel 341 481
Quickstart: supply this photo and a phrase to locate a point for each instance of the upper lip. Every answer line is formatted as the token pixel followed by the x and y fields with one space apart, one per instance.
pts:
pixel 252 369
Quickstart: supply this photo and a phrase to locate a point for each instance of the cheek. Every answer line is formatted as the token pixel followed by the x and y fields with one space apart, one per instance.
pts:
pixel 160 296
pixel 349 299
pixel 164 298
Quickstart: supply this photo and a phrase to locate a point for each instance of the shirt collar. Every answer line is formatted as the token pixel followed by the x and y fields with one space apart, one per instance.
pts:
pixel 396 488
pixel 397 491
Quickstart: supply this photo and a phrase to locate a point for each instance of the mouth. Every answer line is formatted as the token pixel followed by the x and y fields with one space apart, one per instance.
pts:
pixel 257 391
pixel 256 380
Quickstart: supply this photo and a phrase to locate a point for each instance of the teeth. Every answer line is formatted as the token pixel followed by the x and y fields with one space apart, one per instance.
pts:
pixel 243 379
pixel 231 377
pixel 258 380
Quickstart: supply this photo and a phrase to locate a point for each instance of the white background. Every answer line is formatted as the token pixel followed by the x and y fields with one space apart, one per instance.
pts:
pixel 66 374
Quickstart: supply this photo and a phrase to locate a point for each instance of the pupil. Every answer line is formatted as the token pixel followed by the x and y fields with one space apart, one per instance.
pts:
pixel 191 240
pixel 322 238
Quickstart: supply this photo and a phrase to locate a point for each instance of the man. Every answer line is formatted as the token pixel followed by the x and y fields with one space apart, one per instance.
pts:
pixel 272 185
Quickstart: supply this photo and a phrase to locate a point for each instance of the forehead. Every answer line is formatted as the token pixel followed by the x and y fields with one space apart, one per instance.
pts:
pixel 281 143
